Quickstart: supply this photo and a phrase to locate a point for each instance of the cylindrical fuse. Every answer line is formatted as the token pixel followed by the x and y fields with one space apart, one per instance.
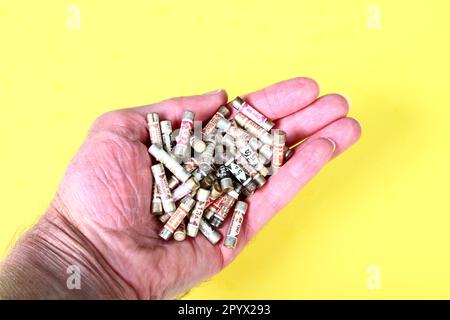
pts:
pixel 212 235
pixel 254 129
pixel 166 134
pixel 154 129
pixel 164 192
pixel 197 213
pixel 249 111
pixel 190 186
pixel 184 135
pixel 229 200
pixel 210 127
pixel 170 163
pixel 235 226
pixel 157 208
pixel 177 217
pixel 226 183
pixel 180 233
pixel 234 131
pixel 279 142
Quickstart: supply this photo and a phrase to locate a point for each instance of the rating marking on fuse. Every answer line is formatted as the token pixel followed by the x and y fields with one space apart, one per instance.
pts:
pixel 373 277
pixel 74 279
pixel 373 17
pixel 73 21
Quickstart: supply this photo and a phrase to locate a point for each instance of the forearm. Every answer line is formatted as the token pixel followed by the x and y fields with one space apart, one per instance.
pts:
pixel 44 264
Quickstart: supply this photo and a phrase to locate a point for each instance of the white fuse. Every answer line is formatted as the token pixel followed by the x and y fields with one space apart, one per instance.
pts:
pixel 154 129
pixel 235 226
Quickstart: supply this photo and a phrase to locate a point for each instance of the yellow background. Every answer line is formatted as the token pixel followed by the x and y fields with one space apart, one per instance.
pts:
pixel 384 203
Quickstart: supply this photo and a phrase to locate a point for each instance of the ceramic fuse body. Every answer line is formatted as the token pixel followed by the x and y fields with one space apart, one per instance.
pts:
pixel 164 192
pixel 166 134
pixel 235 226
pixel 197 213
pixel 279 142
pixel 157 208
pixel 154 129
pixel 184 135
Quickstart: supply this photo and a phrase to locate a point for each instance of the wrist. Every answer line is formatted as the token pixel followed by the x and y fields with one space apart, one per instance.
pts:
pixel 54 260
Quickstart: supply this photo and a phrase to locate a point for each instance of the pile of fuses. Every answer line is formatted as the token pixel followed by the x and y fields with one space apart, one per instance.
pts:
pixel 202 173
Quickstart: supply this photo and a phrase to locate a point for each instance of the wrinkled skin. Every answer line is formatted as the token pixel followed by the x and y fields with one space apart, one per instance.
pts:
pixel 100 218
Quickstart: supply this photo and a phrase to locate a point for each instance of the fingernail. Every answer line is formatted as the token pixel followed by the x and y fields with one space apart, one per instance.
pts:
pixel 214 92
pixel 333 143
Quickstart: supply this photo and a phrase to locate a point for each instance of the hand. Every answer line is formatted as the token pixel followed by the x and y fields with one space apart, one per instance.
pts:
pixel 100 219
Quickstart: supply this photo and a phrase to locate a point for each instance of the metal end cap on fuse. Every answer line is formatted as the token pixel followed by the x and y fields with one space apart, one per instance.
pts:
pixel 230 242
pixel 288 154
pixel 223 110
pixel 279 137
pixel 202 195
pixel 216 222
pixel 152 117
pixel 180 234
pixel 226 184
pixel 157 208
pixel 212 235
pixel 191 231
pixel 165 234
pixel 259 180
pixel 241 205
pixel 189 115
pixel 240 119
pixel 237 103
pixel 197 144
pixel 223 124
pixel 216 191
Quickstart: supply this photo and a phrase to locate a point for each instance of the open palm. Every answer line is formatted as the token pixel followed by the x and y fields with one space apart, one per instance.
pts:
pixel 106 192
